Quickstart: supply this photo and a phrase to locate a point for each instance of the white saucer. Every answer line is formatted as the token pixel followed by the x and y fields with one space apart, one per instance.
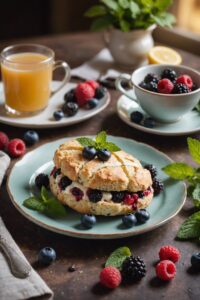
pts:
pixel 189 124
pixel 45 118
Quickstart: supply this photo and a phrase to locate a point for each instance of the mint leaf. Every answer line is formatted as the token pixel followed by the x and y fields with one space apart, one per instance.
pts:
pixel 124 25
pixel 123 3
pixel 194 148
pixel 117 257
pixel 96 11
pixel 196 195
pixel 54 208
pixel 84 141
pixel 111 147
pixel 44 194
pixel 179 171
pixel 134 8
pixel 190 228
pixel 101 138
pixel 34 204
pixel 111 4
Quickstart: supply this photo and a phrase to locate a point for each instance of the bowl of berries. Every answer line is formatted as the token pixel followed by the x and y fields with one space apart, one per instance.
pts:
pixel 165 92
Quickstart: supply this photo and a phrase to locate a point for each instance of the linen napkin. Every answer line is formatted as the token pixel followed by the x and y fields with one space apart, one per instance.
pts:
pixel 12 288
pixel 101 67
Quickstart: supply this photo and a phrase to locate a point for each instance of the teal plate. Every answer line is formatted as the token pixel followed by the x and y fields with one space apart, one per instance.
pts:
pixel 162 209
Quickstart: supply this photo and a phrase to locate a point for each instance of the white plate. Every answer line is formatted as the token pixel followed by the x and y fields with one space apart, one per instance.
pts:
pixel 45 118
pixel 189 124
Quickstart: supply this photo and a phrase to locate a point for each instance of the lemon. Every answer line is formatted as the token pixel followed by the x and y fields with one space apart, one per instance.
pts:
pixel 164 55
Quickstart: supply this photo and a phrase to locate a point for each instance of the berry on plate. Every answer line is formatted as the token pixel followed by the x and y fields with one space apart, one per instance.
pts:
pixel 152 169
pixel 110 277
pixel 195 261
pixel 166 270
pixel 47 255
pixel 186 80
pixel 84 92
pixel 136 117
pixel 58 115
pixel 89 152
pixel 42 180
pixel 103 154
pixel 4 140
pixel 149 123
pixel 100 93
pixel 142 216
pixel 88 221
pixel 165 86
pixel 70 96
pixel 16 148
pixel 158 186
pixel 168 252
pixel 31 137
pixel 70 108
pixel 180 88
pixel 129 220
pixel 94 84
pixel 133 268
pixel 92 103
pixel 170 74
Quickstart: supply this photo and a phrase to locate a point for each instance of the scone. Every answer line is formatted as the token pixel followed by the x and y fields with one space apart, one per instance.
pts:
pixel 117 186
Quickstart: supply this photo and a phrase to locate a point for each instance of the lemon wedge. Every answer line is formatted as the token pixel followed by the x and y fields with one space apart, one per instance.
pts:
pixel 164 55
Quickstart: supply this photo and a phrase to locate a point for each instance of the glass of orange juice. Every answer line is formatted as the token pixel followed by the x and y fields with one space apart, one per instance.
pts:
pixel 27 74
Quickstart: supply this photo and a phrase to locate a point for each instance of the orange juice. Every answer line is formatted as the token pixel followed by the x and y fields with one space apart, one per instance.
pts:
pixel 27 77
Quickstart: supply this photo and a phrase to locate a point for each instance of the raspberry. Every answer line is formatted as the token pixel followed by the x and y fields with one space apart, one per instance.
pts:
pixel 166 270
pixel 110 277
pixel 84 92
pixel 165 86
pixel 16 148
pixel 185 79
pixel 3 141
pixel 93 84
pixel 170 253
pixel 130 199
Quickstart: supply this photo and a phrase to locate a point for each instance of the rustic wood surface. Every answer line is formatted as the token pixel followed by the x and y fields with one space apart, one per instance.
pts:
pixel 89 255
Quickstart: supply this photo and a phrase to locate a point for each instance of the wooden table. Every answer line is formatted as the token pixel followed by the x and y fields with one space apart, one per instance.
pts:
pixel 89 255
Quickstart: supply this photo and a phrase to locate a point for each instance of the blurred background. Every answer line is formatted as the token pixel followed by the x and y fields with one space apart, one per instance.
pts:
pixel 27 18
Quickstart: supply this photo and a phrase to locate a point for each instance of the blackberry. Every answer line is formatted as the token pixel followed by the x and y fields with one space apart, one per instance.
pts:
pixel 152 86
pixel 94 195
pixel 118 197
pixel 70 108
pixel 170 74
pixel 151 78
pixel 158 186
pixel 149 123
pixel 70 96
pixel 180 88
pixel 64 182
pixel 100 93
pixel 42 180
pixel 133 268
pixel 143 85
pixel 56 173
pixel 152 169
pixel 136 117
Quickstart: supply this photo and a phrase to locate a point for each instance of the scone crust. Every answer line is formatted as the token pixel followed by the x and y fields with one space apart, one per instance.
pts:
pixel 121 172
pixel 103 207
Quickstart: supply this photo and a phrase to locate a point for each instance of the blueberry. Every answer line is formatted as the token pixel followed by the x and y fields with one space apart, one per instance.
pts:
pixel 64 182
pixel 94 195
pixel 136 117
pixel 142 216
pixel 89 152
pixel 46 256
pixel 129 220
pixel 149 122
pixel 103 154
pixel 70 96
pixel 42 180
pixel 92 103
pixel 100 93
pixel 31 137
pixel 152 86
pixel 70 108
pixel 118 197
pixel 88 221
pixel 58 115
pixel 195 261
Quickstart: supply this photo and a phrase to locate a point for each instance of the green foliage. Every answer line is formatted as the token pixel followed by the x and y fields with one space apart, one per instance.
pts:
pixel 181 171
pixel 127 15
pixel 46 204
pixel 100 142
pixel 117 257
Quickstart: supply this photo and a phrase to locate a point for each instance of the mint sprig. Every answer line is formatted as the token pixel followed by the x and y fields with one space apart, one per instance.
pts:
pixel 100 142
pixel 182 171
pixel 46 204
pixel 117 257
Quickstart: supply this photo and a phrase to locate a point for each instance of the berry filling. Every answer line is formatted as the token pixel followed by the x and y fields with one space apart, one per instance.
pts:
pixel 77 193
pixel 53 171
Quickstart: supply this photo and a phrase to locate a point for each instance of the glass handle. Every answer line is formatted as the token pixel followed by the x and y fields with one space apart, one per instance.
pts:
pixel 66 79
